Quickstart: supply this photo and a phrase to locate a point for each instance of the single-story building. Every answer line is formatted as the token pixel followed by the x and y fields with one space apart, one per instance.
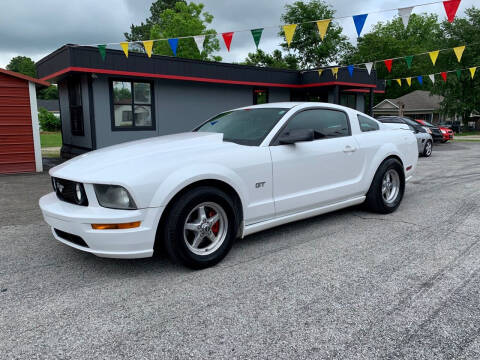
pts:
pixel 105 102
pixel 52 105
pixel 20 149
pixel 418 104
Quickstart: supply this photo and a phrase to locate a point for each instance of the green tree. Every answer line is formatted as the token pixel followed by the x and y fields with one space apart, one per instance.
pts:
pixel 48 121
pixel 23 65
pixel 306 44
pixel 274 60
pixel 50 93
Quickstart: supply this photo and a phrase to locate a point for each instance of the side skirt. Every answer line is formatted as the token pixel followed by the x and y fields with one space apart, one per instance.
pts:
pixel 253 228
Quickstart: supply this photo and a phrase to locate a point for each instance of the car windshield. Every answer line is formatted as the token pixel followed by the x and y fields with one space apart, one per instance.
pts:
pixel 410 122
pixel 245 126
pixel 427 123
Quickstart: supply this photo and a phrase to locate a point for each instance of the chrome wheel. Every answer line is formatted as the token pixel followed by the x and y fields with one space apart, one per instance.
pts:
pixel 428 148
pixel 205 228
pixel 390 186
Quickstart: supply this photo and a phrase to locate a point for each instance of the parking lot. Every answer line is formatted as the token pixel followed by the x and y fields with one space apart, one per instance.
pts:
pixel 350 284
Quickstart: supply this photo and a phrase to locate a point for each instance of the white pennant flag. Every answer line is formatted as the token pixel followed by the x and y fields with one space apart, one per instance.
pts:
pixel 432 77
pixel 369 67
pixel 404 13
pixel 199 39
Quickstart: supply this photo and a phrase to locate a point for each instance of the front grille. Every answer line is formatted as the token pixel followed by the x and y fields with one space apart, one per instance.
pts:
pixel 71 238
pixel 66 191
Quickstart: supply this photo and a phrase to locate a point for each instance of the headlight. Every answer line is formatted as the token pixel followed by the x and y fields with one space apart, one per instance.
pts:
pixel 427 130
pixel 443 131
pixel 114 197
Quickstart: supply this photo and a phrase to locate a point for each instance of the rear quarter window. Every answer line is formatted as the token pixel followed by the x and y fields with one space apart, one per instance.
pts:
pixel 367 124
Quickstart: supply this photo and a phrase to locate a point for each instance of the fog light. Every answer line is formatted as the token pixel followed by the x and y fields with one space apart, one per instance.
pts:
pixel 129 225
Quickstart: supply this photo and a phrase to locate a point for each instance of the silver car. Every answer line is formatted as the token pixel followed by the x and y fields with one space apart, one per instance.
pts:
pixel 424 139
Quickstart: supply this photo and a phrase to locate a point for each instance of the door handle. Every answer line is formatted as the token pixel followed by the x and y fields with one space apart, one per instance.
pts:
pixel 349 148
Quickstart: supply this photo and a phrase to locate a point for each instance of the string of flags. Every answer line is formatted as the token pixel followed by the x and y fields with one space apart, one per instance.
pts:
pixel 444 75
pixel 450 6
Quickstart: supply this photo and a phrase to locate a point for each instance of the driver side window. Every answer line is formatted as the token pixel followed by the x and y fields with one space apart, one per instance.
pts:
pixel 329 123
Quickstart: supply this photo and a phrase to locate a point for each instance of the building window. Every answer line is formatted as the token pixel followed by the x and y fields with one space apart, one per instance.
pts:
pixel 75 104
pixel 348 100
pixel 367 124
pixel 132 107
pixel 260 96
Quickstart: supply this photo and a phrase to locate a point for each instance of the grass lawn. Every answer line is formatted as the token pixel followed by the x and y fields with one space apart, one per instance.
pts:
pixel 50 139
pixel 468 133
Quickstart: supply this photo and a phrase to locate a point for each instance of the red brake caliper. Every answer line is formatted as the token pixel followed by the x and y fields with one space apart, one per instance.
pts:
pixel 215 226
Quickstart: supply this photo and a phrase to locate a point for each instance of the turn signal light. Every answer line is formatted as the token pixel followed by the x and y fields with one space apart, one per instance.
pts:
pixel 129 225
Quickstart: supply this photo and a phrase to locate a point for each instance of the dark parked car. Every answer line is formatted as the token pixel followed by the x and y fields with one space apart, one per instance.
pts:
pixel 436 133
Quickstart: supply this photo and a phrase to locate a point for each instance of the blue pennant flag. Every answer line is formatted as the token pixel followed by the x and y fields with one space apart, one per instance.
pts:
pixel 420 79
pixel 359 21
pixel 173 45
pixel 350 69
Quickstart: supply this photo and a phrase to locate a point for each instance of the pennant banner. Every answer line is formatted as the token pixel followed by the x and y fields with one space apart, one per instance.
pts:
pixel 434 56
pixel 257 34
pixel 409 60
pixel 289 30
pixel 173 45
pixel 404 14
pixel 409 81
pixel 350 70
pixel 227 38
pixel 432 78
pixel 444 76
pixel 322 27
pixel 199 40
pixel 420 79
pixel 388 64
pixel 102 49
pixel 359 21
pixel 459 52
pixel 451 7
pixel 399 82
pixel 472 71
pixel 148 45
pixel 320 73
pixel 335 72
pixel 369 67
pixel 124 46
pixel 459 74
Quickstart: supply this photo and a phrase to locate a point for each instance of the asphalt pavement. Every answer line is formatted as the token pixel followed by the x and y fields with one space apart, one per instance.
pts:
pixel 346 285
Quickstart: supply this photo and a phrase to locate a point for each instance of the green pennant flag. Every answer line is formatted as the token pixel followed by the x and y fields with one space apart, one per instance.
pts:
pixel 102 49
pixel 459 74
pixel 257 34
pixel 409 60
pixel 389 82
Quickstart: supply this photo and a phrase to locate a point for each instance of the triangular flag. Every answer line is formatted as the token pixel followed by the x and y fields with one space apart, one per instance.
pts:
pixel 451 7
pixel 434 56
pixel 409 81
pixel 399 81
pixel 444 76
pixel 388 64
pixel 148 45
pixel 369 67
pixel 227 38
pixel 124 46
pixel 404 14
pixel 420 79
pixel 359 21
pixel 335 72
pixel 459 74
pixel 256 34
pixel 102 49
pixel 322 27
pixel 199 39
pixel 389 82
pixel 472 71
pixel 459 52
pixel 432 78
pixel 320 72
pixel 173 45
pixel 350 69
pixel 409 60
pixel 289 30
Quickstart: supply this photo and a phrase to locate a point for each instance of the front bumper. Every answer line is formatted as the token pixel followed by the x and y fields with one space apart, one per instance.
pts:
pixel 76 220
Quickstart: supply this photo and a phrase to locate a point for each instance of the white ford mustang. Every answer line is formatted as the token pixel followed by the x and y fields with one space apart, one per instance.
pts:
pixel 240 172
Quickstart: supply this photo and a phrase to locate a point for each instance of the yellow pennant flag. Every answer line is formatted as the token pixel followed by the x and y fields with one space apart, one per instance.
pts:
pixel 409 81
pixel 289 31
pixel 124 46
pixel 399 81
pixel 148 45
pixel 322 27
pixel 459 52
pixel 472 71
pixel 320 73
pixel 434 56
pixel 335 72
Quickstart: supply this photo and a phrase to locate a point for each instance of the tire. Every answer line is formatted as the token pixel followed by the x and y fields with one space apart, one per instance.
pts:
pixel 376 200
pixel 191 237
pixel 427 149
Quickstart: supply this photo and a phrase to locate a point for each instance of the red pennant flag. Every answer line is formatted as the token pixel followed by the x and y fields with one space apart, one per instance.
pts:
pixel 227 38
pixel 388 64
pixel 444 76
pixel 451 7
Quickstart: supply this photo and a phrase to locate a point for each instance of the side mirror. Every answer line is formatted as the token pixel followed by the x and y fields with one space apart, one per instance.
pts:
pixel 296 135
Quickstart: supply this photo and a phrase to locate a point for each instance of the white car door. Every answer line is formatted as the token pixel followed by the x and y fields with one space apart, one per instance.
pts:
pixel 311 174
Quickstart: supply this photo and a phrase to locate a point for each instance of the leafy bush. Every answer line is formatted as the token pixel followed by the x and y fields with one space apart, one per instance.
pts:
pixel 48 121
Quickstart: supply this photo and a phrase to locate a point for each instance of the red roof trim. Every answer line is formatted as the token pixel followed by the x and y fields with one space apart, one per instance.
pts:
pixel 364 91
pixel 200 79
pixel 24 77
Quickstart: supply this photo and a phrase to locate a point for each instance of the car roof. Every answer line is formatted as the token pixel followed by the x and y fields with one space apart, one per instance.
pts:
pixel 292 104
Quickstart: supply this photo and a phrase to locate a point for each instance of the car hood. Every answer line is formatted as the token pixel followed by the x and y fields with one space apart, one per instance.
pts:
pixel 135 159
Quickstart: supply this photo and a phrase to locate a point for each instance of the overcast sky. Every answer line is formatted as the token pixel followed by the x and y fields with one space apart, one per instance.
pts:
pixel 36 28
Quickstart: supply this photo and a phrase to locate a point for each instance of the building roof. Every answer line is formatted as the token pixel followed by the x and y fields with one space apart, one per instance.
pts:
pixel 86 59
pixel 50 105
pixel 415 100
pixel 24 77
